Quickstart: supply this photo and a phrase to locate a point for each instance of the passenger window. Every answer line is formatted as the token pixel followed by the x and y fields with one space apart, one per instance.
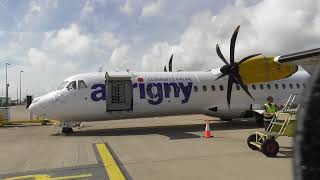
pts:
pixel 72 85
pixel 213 88
pixel 298 86
pixel 291 86
pixel 204 88
pixel 221 87
pixel 261 86
pixel 238 87
pixel 304 85
pixel 81 84
pixel 195 88
pixel 254 86
pixel 276 86
pixel 283 86
pixel 268 86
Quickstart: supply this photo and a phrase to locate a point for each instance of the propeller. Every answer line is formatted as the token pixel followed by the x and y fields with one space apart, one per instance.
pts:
pixel 170 65
pixel 232 69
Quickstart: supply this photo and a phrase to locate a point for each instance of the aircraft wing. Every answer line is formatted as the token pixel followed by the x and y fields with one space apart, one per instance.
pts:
pixel 307 59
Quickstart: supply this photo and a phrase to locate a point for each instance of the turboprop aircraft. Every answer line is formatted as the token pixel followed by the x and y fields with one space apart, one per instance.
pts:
pixel 119 95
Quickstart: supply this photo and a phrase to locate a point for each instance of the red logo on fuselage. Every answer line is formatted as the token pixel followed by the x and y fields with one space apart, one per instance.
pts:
pixel 140 79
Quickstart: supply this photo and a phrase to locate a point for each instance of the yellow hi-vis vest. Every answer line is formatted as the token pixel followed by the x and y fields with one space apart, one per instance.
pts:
pixel 271 109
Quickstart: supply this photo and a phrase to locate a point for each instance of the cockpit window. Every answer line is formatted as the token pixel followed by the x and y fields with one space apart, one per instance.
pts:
pixel 72 85
pixel 62 85
pixel 81 84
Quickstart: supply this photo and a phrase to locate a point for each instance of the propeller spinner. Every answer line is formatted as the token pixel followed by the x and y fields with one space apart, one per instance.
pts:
pixel 232 69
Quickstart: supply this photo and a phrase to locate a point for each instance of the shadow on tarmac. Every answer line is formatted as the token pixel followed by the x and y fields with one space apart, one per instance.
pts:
pixel 171 131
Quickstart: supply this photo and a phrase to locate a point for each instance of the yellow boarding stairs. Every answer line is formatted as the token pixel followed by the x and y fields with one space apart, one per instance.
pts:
pixel 282 124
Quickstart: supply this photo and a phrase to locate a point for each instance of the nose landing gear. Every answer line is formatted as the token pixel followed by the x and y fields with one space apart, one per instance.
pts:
pixel 66 127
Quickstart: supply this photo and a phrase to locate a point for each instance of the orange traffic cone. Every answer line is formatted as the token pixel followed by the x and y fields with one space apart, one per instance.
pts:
pixel 207 132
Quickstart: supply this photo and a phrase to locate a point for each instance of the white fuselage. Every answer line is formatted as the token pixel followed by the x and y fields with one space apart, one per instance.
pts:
pixel 161 94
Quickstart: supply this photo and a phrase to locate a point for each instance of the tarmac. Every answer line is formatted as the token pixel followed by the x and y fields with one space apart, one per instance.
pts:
pixel 149 148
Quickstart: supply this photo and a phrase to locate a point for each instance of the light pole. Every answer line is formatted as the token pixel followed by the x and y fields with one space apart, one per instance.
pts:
pixel 20 87
pixel 7 85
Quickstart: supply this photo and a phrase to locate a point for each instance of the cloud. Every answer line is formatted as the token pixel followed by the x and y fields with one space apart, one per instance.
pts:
pixel 151 9
pixel 61 53
pixel 37 57
pixel 120 58
pixel 33 11
pixel 272 33
pixel 87 8
pixel 127 7
pixel 34 7
pixel 108 40
pixel 68 40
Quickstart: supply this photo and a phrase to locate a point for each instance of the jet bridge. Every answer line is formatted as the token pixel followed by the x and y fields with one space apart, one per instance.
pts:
pixel 119 91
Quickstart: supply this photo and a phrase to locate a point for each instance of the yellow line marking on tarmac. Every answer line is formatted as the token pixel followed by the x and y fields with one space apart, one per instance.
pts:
pixel 35 176
pixel 109 163
pixel 47 177
pixel 72 177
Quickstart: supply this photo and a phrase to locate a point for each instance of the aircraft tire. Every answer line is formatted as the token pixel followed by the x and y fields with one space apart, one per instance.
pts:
pixel 270 147
pixel 306 143
pixel 67 130
pixel 252 138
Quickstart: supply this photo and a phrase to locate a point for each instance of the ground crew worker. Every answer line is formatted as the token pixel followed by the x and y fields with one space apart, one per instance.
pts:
pixel 270 108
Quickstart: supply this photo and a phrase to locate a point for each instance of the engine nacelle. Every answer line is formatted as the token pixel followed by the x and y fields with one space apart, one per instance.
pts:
pixel 263 69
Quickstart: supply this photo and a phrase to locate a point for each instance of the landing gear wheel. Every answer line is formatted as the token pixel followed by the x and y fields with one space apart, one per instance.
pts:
pixel 252 138
pixel 270 147
pixel 44 123
pixel 67 130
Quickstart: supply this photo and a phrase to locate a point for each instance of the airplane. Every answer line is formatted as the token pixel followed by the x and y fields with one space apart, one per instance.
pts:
pixel 119 95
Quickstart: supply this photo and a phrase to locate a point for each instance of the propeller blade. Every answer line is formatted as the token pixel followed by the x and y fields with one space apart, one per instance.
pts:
pixel 229 90
pixel 165 68
pixel 233 44
pixel 170 63
pixel 248 57
pixel 221 76
pixel 220 55
pixel 240 82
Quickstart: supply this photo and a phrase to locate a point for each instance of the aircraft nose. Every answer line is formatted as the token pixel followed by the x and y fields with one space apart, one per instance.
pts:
pixel 39 106
pixel 34 107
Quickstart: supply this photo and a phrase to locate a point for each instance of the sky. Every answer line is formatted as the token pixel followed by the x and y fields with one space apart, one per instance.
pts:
pixel 53 39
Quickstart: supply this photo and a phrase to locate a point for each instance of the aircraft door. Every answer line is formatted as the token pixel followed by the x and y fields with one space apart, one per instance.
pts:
pixel 119 95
